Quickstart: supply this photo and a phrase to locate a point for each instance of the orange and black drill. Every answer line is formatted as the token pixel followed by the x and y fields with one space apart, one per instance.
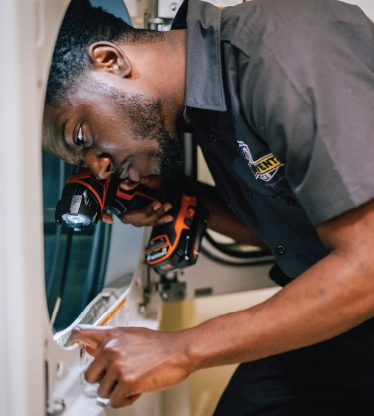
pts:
pixel 171 246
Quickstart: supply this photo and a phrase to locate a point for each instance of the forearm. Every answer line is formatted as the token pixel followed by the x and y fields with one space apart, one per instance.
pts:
pixel 224 221
pixel 329 299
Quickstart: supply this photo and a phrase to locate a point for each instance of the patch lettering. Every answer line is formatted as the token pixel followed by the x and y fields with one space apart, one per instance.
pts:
pixel 265 167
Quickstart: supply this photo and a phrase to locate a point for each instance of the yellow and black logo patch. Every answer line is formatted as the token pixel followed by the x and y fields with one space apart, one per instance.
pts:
pixel 264 165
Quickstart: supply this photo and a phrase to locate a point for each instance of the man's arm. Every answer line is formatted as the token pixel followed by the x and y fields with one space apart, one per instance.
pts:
pixel 221 218
pixel 330 298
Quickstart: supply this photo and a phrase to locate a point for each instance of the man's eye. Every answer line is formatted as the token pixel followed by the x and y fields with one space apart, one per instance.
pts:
pixel 79 141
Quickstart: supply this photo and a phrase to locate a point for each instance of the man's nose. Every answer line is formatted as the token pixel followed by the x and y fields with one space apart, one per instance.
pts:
pixel 99 165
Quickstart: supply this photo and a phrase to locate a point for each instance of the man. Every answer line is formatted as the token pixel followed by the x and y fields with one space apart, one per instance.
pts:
pixel 280 94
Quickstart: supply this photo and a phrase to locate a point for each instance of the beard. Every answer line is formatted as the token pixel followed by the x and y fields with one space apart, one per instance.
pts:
pixel 148 123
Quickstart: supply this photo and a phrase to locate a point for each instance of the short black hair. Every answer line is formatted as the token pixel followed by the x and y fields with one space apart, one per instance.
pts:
pixel 82 26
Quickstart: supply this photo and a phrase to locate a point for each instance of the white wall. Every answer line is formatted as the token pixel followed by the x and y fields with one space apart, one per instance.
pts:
pixel 366 5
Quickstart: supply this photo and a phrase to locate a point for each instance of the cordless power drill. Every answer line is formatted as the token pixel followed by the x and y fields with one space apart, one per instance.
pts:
pixel 171 246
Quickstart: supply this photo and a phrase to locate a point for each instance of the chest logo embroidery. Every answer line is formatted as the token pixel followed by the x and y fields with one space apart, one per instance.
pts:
pixel 265 167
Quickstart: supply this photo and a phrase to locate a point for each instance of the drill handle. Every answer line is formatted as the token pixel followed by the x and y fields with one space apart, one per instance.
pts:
pixel 126 200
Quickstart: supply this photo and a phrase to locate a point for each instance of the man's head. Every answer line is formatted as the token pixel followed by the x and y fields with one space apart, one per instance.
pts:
pixel 104 108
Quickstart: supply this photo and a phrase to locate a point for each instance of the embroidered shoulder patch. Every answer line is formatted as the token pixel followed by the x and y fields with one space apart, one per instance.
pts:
pixel 265 167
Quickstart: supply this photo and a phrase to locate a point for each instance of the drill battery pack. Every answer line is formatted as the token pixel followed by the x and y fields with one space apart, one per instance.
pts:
pixel 177 244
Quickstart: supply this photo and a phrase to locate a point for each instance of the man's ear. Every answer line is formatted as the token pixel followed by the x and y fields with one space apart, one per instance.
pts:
pixel 107 56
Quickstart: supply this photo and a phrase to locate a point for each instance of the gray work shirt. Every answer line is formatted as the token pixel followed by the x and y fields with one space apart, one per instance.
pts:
pixel 281 96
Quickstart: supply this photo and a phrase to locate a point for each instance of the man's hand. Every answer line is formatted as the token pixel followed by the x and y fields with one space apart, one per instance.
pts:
pixel 132 361
pixel 221 218
pixel 153 214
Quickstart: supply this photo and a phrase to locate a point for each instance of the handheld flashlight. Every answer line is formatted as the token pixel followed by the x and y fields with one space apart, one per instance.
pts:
pixel 84 198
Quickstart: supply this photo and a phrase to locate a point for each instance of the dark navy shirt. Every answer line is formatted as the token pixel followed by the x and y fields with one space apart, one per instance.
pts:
pixel 281 96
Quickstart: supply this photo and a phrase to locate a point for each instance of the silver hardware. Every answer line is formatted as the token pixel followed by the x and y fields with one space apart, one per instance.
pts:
pixel 56 407
pixel 142 308
pixel 156 24
pixel 170 289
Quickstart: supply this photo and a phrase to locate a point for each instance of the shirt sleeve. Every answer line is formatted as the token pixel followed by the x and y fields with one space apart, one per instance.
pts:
pixel 307 89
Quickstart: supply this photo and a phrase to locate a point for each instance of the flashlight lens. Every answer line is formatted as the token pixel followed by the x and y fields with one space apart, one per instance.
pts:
pixel 78 220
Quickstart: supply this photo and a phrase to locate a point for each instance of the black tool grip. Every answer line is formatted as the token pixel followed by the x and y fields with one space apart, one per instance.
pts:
pixel 120 201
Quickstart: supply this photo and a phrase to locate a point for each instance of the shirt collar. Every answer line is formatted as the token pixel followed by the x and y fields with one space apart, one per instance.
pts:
pixel 204 84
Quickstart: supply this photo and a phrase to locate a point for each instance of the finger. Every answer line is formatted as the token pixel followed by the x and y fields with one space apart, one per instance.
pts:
pixel 153 214
pixel 120 398
pixel 128 184
pixel 103 361
pixel 156 213
pixel 161 217
pixel 97 370
pixel 108 383
pixel 164 220
pixel 91 350
pixel 166 207
pixel 152 221
pixel 105 217
pixel 150 181
pixel 138 215
pixel 124 401
pixel 156 205
pixel 88 335
pixel 153 182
